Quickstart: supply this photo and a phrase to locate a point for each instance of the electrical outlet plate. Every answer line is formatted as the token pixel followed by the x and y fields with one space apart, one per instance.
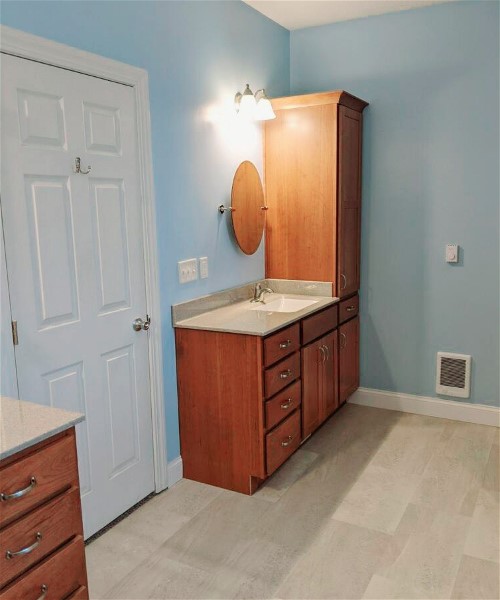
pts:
pixel 203 267
pixel 188 270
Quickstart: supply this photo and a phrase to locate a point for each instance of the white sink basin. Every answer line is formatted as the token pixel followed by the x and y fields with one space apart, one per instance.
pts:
pixel 284 305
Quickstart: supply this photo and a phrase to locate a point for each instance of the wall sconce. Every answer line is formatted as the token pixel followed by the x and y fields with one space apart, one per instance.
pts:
pixel 254 106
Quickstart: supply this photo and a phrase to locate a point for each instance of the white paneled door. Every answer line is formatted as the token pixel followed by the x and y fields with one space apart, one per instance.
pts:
pixel 75 263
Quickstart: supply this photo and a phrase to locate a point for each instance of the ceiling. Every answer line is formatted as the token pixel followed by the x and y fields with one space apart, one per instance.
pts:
pixel 296 14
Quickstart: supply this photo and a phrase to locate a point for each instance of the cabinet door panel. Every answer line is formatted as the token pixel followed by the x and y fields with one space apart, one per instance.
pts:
pixel 348 358
pixel 349 200
pixel 300 159
pixel 311 387
pixel 330 393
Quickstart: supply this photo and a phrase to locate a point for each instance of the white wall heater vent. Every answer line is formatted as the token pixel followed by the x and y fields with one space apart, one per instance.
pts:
pixel 453 374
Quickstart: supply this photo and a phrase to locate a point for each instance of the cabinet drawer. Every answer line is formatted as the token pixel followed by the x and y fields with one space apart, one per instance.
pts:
pixel 39 533
pixel 81 593
pixel 348 308
pixel 282 442
pixel 281 344
pixel 283 373
pixel 62 574
pixel 317 325
pixel 282 404
pixel 40 475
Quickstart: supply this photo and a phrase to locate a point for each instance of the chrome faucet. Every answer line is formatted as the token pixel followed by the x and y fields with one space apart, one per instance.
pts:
pixel 259 291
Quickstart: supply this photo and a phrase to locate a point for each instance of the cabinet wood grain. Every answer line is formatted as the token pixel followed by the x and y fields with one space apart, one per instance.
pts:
pixel 319 323
pixel 281 344
pixel 348 358
pixel 319 382
pixel 283 441
pixel 41 535
pixel 313 189
pixel 348 308
pixel 56 522
pixel 281 405
pixel 281 374
pixel 349 201
pixel 221 409
pixel 55 469
pixel 62 574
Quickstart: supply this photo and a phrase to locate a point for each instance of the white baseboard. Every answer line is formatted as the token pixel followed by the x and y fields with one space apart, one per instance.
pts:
pixel 432 407
pixel 174 471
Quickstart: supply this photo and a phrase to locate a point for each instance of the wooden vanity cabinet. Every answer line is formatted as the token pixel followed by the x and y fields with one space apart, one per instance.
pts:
pixel 313 189
pixel 41 533
pixel 246 402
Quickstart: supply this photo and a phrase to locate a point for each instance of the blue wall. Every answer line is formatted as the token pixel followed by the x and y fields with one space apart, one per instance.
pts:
pixel 430 176
pixel 198 54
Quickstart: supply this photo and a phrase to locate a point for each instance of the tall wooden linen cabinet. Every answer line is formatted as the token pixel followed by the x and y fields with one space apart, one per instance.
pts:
pixel 313 189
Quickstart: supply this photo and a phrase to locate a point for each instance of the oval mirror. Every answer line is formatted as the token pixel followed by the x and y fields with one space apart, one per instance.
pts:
pixel 247 201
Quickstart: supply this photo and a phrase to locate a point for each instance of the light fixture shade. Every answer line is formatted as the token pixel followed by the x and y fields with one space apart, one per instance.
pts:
pixel 264 110
pixel 245 103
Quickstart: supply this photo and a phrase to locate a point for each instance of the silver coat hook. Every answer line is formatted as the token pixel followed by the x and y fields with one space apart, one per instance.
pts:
pixel 78 168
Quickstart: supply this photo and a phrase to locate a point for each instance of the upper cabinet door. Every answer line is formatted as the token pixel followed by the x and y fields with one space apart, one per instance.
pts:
pixel 300 159
pixel 349 201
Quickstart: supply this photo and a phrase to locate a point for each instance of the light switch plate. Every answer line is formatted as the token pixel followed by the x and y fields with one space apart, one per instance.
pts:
pixel 203 267
pixel 451 253
pixel 188 270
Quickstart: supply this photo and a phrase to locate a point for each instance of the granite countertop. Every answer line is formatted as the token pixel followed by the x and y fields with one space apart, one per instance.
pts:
pixel 23 424
pixel 244 317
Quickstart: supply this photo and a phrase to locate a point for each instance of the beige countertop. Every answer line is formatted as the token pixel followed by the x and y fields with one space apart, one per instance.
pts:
pixel 23 424
pixel 246 317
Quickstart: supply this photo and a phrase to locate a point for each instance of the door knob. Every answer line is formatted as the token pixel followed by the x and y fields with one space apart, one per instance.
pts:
pixel 139 324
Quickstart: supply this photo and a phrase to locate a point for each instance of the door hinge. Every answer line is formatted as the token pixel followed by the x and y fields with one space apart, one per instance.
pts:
pixel 15 337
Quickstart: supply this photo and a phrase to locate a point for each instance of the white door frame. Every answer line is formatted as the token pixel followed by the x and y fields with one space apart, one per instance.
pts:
pixel 25 45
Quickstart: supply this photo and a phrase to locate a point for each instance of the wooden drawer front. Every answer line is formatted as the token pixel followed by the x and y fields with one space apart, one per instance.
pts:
pixel 282 404
pixel 282 374
pixel 62 573
pixel 348 308
pixel 282 442
pixel 319 324
pixel 281 344
pixel 44 529
pixel 54 468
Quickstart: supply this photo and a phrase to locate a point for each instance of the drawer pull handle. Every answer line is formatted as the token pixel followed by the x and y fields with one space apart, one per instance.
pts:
pixel 19 493
pixel 323 355
pixel 287 442
pixel 286 374
pixel 286 344
pixel 44 589
pixel 287 404
pixel 27 550
pixel 344 338
pixel 327 352
pixel 350 308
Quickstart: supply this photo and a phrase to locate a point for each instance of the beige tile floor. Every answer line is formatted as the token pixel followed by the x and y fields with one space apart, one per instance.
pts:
pixel 377 504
